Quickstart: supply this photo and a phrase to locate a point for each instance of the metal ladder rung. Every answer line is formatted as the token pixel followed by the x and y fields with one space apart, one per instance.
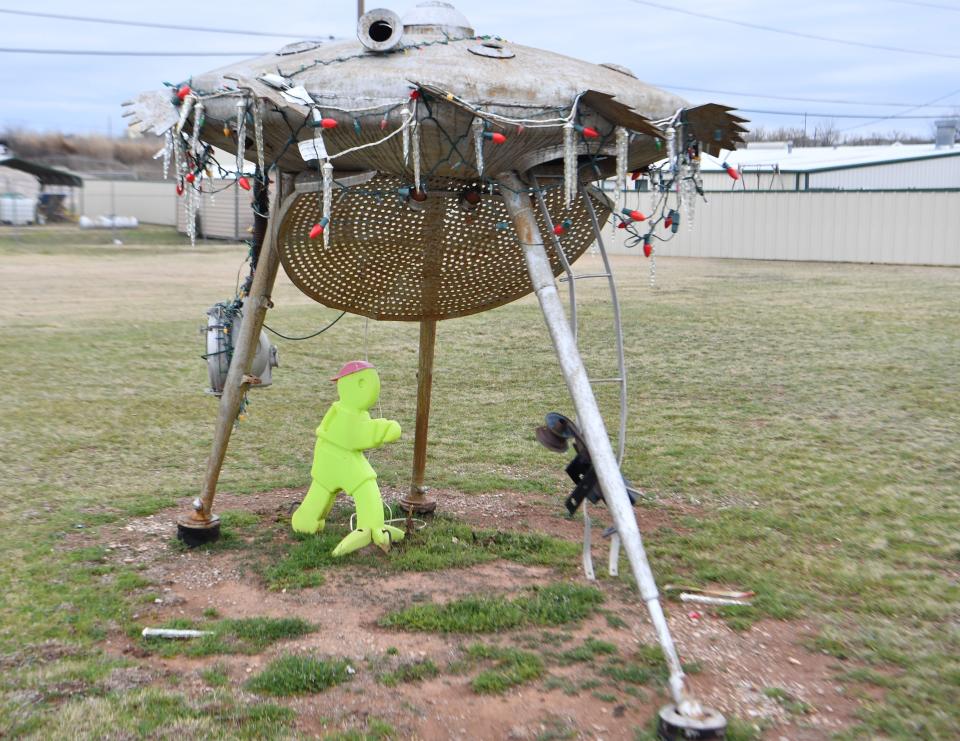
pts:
pixel 587 275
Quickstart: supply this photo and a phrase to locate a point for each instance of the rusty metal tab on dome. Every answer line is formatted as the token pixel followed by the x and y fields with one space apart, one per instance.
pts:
pixel 494 49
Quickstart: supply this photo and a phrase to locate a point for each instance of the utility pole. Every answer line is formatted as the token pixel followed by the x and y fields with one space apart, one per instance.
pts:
pixel 359 9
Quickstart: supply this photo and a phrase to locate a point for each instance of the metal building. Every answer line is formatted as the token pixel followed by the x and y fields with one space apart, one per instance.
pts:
pixel 781 166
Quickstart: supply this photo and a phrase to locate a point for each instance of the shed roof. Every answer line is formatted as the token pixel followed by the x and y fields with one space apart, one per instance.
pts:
pixel 46 175
pixel 822 159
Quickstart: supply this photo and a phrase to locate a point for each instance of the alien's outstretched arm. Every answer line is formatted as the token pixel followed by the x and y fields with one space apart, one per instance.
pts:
pixel 380 432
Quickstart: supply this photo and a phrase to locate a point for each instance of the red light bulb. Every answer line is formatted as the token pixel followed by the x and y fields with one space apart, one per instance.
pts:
pixel 184 91
pixel 190 177
pixel 668 222
pixel 634 214
pixel 495 136
pixel 558 229
pixel 414 94
pixel 179 189
pixel 329 123
pixel 590 133
pixel 243 183
pixel 731 171
pixel 647 249
pixel 319 227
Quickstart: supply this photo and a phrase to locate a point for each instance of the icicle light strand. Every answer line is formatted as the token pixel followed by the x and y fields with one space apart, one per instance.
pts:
pixel 478 127
pixel 327 200
pixel 569 164
pixel 623 144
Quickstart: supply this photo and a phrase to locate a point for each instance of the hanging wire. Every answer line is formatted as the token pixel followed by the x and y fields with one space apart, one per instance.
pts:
pixel 309 336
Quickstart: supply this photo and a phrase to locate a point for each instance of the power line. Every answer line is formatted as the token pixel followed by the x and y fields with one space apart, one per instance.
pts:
pixel 815 114
pixel 922 105
pixel 785 97
pixel 800 34
pixel 919 4
pixel 110 53
pixel 146 24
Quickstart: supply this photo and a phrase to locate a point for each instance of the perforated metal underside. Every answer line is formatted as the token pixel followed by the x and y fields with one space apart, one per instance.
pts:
pixel 389 261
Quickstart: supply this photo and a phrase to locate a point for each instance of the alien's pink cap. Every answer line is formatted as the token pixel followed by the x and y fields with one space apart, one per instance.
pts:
pixel 354 366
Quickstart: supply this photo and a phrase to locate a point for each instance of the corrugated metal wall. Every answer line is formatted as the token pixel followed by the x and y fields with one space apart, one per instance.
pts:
pixel 908 227
pixel 150 202
pixel 939 172
pixel 222 215
pixel 930 173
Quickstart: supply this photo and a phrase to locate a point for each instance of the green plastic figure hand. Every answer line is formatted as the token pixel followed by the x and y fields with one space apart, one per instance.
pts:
pixel 339 464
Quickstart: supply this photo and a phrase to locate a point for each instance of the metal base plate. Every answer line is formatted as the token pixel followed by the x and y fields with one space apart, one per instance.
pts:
pixel 672 725
pixel 192 533
pixel 418 505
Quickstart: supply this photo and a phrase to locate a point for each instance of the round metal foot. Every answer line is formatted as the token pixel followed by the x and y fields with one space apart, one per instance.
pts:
pixel 672 725
pixel 418 505
pixel 196 532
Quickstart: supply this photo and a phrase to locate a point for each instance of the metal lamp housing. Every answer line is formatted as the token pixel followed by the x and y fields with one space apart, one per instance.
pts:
pixel 222 326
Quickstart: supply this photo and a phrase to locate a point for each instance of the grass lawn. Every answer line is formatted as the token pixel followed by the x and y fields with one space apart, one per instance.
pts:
pixel 808 413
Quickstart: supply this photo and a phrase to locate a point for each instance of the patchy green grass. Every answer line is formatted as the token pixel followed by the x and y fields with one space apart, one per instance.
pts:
pixel 444 544
pixel 63 239
pixel 556 604
pixel 299 675
pixel 644 666
pixel 373 729
pixel 805 415
pixel 239 636
pixel 588 651
pixel 511 667
pixel 215 676
pixel 790 703
pixel 410 671
pixel 153 713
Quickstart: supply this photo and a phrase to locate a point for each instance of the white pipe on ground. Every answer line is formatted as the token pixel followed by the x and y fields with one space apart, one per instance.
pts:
pixel 174 633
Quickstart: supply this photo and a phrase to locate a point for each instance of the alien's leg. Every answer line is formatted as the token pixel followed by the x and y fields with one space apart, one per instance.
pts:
pixel 311 515
pixel 370 524
pixel 370 514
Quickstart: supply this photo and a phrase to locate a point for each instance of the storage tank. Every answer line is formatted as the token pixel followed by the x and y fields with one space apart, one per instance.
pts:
pixel 17 209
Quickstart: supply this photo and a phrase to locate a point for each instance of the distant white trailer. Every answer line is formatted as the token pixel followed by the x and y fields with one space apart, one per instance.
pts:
pixel 17 209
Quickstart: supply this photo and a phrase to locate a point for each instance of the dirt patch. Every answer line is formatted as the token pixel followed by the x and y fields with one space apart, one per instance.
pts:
pixel 737 670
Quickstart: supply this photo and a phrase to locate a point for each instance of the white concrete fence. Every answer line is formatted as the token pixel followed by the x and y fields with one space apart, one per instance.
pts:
pixel 907 227
pixel 223 215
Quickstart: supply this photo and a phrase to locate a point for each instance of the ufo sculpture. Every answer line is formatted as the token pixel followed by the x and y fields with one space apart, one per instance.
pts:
pixel 414 173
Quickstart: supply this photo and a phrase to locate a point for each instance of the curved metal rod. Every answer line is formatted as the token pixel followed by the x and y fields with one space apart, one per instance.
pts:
pixel 621 363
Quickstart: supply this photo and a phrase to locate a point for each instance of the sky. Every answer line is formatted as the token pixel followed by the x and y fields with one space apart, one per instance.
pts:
pixel 80 94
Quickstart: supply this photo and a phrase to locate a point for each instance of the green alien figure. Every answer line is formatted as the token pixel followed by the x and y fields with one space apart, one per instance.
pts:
pixel 338 462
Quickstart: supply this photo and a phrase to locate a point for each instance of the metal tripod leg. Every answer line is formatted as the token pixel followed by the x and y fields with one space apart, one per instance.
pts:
pixel 201 525
pixel 519 206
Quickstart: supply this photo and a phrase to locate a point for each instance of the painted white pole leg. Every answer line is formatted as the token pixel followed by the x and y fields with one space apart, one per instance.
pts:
pixel 587 544
pixel 517 201
pixel 614 566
